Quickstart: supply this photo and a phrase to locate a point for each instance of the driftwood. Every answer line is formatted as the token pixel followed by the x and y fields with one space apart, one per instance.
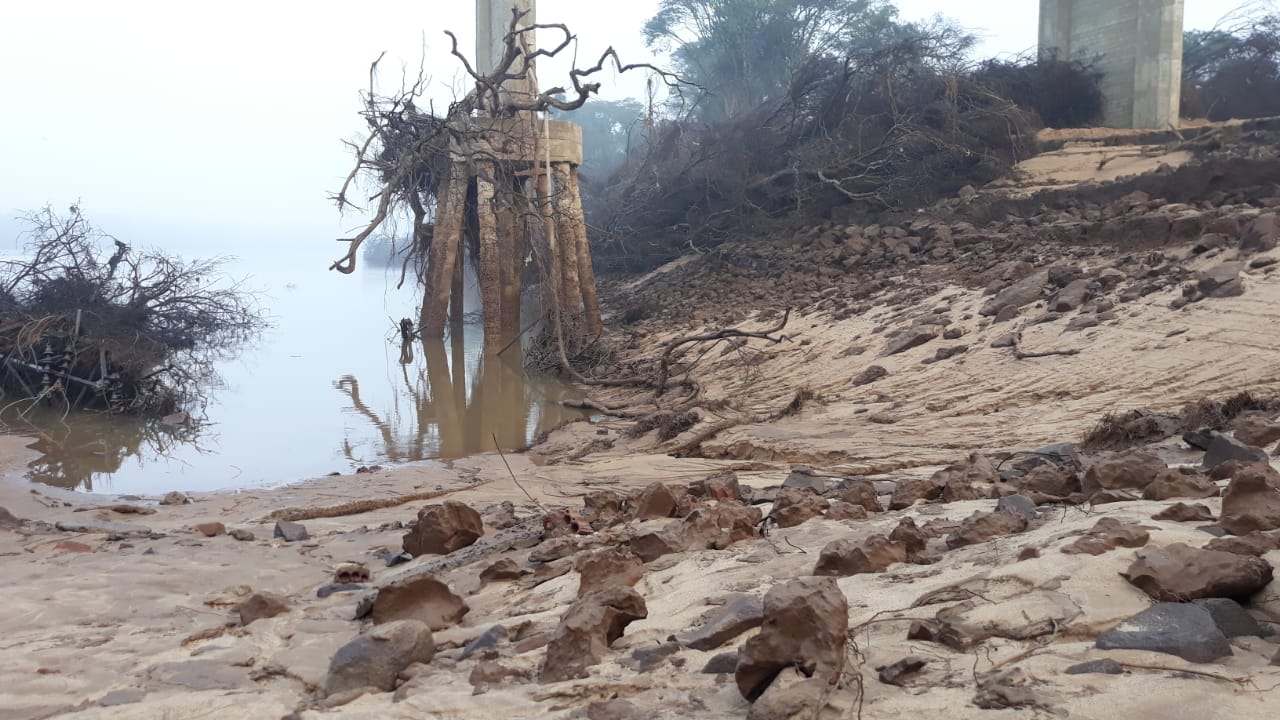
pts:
pixel 363 506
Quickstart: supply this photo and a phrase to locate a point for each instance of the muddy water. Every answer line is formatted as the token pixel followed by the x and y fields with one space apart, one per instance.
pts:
pixel 328 389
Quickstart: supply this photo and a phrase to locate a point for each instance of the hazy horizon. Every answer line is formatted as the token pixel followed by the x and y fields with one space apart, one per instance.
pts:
pixel 205 128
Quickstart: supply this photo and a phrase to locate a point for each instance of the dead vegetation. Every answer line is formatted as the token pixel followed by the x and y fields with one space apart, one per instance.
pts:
pixel 1133 428
pixel 91 322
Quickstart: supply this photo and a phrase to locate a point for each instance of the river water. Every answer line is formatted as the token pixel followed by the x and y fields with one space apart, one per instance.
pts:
pixel 327 389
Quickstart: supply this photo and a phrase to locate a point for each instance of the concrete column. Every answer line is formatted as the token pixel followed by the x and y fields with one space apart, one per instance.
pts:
pixel 1157 75
pixel 1055 29
pixel 493 22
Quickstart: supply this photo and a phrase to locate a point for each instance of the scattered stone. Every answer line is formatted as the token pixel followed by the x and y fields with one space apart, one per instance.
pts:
pixel 1048 480
pixel 908 339
pixel 860 491
pixel 841 558
pixel 1262 234
pixel 1105 666
pixel 1071 297
pixel 1178 573
pixel 326 590
pixel 502 515
pixel 795 699
pixel 485 641
pixel 375 658
pixel 870 375
pixel 1255 543
pixel 883 417
pixel 441 529
pixel 923 630
pixel 1251 501
pixel 740 614
pixel 912 538
pixel 983 526
pixel 909 491
pixel 1108 534
pixel 967 480
pixel 421 597
pixel 1018 505
pixel 722 486
pixel 491 673
pixel 242 535
pixel 1199 438
pixel 722 663
pixel 1224 448
pixel 132 509
pixel 260 606
pixel 1023 292
pixel 504 569
pixel 1256 430
pixel 1181 629
pixel 805 627
pixel 609 567
pixel 211 529
pixel 72 546
pixel 175 498
pixel 617 709
pixel 896 674
pixel 655 502
pixel 291 531
pixel 647 657
pixel 794 507
pixel 586 631
pixel 803 477
pixel 1231 618
pixel 1006 340
pixel 1183 482
pixel 1128 469
pixel 1024 617
pixel 1183 512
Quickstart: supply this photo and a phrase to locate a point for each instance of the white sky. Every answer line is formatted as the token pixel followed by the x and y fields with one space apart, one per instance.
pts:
pixel 219 124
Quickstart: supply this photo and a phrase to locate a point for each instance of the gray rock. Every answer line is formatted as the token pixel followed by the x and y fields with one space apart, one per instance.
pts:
pixel 914 337
pixel 1232 619
pixel 1018 505
pixel 201 675
pixel 648 657
pixel 1081 322
pixel 725 623
pixel 1023 292
pixel 375 658
pixel 1181 629
pixel 291 531
pixel 242 535
pixel 103 527
pixel 7 520
pixel 725 662
pixel 803 477
pixel 1105 666
pixel 1223 448
pixel 870 375
pixel 1072 296
pixel 1211 281
pixel 488 639
pixel 332 588
pixel 1199 439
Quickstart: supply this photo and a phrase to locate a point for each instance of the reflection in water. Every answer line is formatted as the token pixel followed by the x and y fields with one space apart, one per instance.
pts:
pixel 451 401
pixel 74 449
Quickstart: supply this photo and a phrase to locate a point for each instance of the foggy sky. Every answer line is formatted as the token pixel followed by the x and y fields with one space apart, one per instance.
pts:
pixel 213 127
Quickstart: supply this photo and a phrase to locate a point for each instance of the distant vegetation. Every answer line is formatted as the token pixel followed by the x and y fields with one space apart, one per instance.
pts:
pixel 1233 70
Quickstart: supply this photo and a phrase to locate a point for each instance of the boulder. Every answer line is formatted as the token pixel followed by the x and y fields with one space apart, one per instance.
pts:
pixel 1183 482
pixel 656 501
pixel 722 486
pixel 794 700
pixel 896 674
pixel 1105 666
pixel 1223 448
pixel 1232 619
pixel 793 507
pixel 803 477
pixel 736 616
pixel 859 491
pixel 1072 297
pixel 913 539
pixel 967 480
pixel 871 374
pixel 909 491
pixel 175 498
pixel 1184 512
pixel 908 339
pixel 840 510
pixel 1128 469
pixel 290 531
pixel 609 567
pixel 806 625
pixel 1178 573
pixel 242 535
pixel 1256 429
pixel 1251 501
pixel 1019 505
pixel 1048 479
pixel 1262 234
pixel 421 597
pixel 1255 543
pixel 441 529
pixel 653 544
pixel 211 529
pixel 983 526
pixel 1181 629
pixel 260 606
pixel 376 657
pixel 586 631
pixel 504 569
pixel 1023 292
pixel 1217 281
pixel 719 526
pixel 841 558
pixel 1108 534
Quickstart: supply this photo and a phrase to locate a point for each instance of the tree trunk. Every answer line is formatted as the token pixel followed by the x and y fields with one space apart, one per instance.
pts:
pixel 444 250
pixel 490 258
pixel 586 275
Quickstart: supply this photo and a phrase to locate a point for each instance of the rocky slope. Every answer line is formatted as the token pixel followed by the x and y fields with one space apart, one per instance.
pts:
pixel 906 506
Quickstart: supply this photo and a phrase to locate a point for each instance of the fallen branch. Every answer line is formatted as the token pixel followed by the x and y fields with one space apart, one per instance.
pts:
pixel 362 506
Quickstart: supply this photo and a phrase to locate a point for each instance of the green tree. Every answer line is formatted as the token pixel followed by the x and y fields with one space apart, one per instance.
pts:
pixel 745 51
